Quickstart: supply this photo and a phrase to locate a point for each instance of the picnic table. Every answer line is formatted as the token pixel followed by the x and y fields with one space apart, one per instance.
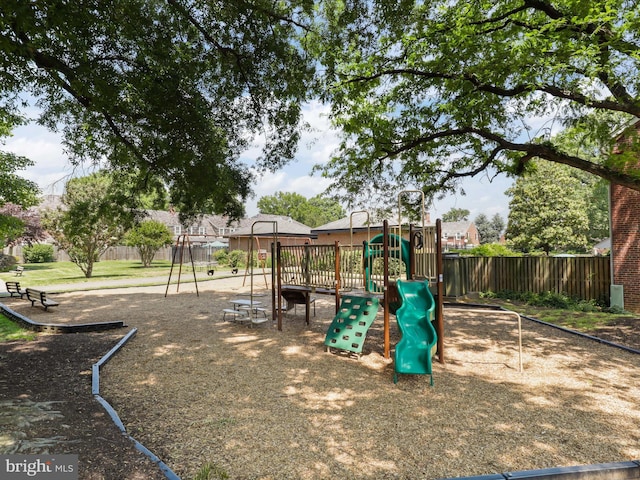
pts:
pixel 246 310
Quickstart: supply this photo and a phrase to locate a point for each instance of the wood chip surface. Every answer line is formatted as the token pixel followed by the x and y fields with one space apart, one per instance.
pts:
pixel 258 403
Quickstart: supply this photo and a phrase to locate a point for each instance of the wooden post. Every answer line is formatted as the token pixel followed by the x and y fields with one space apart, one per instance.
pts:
pixel 440 292
pixel 337 275
pixel 385 298
pixel 278 258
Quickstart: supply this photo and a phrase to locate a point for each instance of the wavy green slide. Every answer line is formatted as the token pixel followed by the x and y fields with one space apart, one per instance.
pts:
pixel 415 348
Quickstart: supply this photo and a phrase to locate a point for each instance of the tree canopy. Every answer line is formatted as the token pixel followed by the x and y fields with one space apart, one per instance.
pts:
pixel 312 212
pixel 489 230
pixel 95 216
pixel 456 215
pixel 430 92
pixel 173 90
pixel 148 237
pixel 548 215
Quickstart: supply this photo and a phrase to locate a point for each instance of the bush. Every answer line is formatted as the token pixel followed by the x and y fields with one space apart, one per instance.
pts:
pixel 38 253
pixel 7 262
pixel 490 250
pixel 237 258
pixel 547 299
pixel 221 256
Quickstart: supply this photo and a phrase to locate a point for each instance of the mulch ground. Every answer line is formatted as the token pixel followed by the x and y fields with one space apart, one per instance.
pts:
pixel 46 384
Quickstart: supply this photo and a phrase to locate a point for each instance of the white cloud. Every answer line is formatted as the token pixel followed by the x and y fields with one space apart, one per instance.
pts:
pixel 52 168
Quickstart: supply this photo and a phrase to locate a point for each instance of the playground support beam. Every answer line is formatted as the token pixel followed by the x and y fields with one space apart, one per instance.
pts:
pixel 439 292
pixel 385 298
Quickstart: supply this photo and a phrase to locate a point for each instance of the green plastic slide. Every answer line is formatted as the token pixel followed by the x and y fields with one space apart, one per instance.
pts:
pixel 415 348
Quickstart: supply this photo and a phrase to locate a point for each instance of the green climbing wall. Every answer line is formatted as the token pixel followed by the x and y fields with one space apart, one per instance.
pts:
pixel 349 327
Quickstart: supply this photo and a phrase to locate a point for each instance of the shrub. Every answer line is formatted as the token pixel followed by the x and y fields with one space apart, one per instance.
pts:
pixel 491 250
pixel 7 262
pixel 221 256
pixel 38 253
pixel 237 258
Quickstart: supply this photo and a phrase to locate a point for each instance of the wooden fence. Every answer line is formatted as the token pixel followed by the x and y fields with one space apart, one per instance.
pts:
pixel 586 278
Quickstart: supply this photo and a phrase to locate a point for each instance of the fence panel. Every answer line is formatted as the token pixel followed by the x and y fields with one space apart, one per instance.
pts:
pixel 587 278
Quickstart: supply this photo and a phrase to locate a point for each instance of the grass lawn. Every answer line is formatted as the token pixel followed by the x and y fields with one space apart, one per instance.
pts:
pixel 575 320
pixel 10 331
pixel 36 274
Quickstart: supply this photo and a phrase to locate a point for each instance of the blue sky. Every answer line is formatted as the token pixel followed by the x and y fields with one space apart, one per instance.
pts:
pixel 52 169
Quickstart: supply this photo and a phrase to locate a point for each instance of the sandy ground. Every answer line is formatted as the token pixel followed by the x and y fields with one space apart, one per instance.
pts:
pixel 258 403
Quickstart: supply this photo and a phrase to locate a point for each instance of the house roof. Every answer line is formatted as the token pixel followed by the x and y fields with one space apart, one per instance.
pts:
pixel 456 227
pixel 286 226
pixel 357 222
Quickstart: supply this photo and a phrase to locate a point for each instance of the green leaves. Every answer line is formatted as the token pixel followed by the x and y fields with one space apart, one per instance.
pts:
pixel 174 90
pixel 439 90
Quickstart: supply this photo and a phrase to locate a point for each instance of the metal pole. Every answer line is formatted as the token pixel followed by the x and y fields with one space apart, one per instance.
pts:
pixel 506 312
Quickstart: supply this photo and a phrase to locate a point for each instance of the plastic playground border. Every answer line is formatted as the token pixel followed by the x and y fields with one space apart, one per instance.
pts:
pixel 541 322
pixel 95 390
pixel 56 327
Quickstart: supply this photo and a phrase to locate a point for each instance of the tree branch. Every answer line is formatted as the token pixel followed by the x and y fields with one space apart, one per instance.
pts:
pixel 530 150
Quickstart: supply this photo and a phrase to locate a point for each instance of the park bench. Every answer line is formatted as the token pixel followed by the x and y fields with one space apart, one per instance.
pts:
pixel 14 289
pixel 40 296
pixel 18 271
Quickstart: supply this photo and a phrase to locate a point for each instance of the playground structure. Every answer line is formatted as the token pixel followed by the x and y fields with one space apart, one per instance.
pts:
pixel 353 275
pixel 354 272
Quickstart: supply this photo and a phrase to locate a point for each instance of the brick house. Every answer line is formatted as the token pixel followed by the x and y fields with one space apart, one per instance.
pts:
pixel 625 237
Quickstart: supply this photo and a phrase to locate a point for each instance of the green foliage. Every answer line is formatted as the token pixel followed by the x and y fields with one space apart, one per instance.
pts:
pixel 94 218
pixel 237 258
pixel 312 212
pixel 221 256
pixel 10 229
pixel 491 250
pixel 234 259
pixel 148 237
pixel 546 299
pixel 548 215
pixel 456 215
pixel 20 225
pixel 489 230
pixel 15 191
pixel 7 262
pixel 430 92
pixel 13 188
pixel 38 253
pixel 172 90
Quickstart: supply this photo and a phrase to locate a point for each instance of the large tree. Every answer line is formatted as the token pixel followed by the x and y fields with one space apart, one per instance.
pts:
pixel 94 216
pixel 456 215
pixel 312 212
pixel 173 89
pixel 428 92
pixel 489 230
pixel 548 210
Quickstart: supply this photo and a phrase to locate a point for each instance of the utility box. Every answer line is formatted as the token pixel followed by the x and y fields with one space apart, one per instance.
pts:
pixel 617 296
